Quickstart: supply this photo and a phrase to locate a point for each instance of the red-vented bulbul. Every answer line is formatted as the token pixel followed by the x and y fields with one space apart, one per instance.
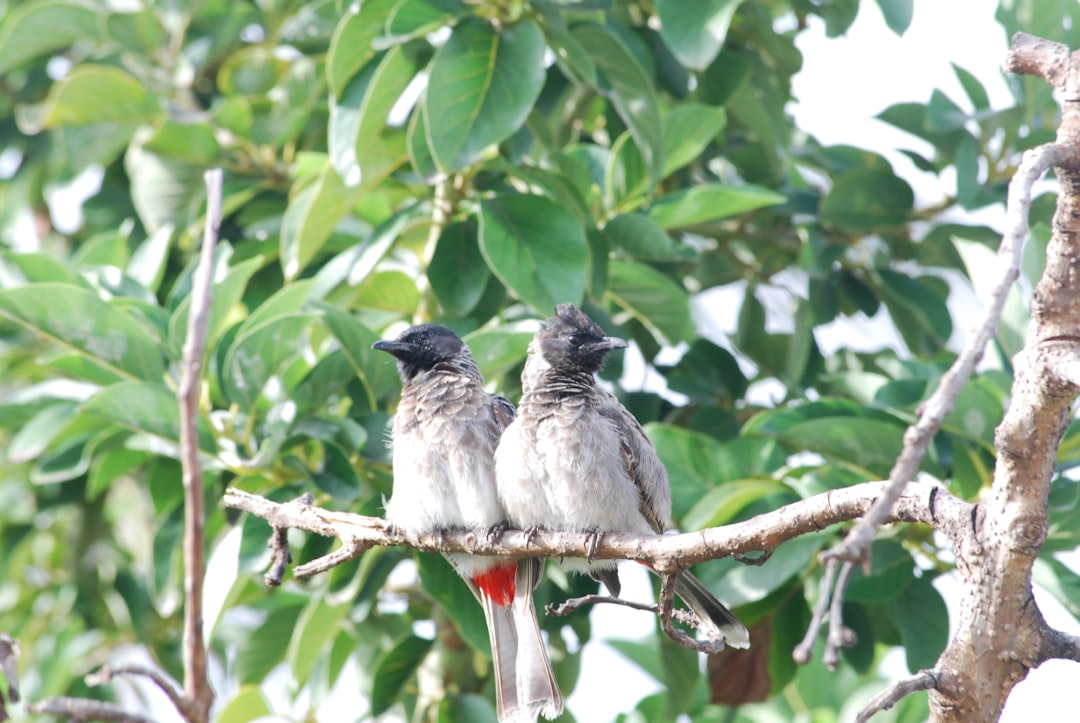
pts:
pixel 444 436
pixel 576 459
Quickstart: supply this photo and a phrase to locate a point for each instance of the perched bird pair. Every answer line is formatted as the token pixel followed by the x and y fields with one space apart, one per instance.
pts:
pixel 573 459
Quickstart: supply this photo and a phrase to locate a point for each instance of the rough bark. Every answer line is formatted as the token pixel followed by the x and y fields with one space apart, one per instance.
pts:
pixel 1001 633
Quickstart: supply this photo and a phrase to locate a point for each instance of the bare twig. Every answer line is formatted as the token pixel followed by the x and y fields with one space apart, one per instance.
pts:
pixel 85 709
pixel 200 696
pixel 568 606
pixel 840 636
pixel 667 608
pixel 665 553
pixel 280 556
pixel 9 666
pixel 350 550
pixel 805 649
pixel 923 680
pixel 856 547
pixel 106 673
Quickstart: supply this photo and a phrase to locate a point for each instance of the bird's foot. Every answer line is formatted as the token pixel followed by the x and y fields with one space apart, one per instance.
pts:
pixel 496 531
pixel 592 541
pixel 530 533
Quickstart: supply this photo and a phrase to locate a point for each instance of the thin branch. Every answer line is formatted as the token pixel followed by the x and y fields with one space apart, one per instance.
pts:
pixel 923 680
pixel 106 673
pixel 667 609
pixel 196 680
pixel 350 550
pixel 568 606
pixel 856 548
pixel 9 666
pixel 85 709
pixel 928 504
pixel 805 649
pixel 840 636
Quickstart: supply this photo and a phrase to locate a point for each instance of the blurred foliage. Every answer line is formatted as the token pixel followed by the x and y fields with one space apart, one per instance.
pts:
pixel 473 163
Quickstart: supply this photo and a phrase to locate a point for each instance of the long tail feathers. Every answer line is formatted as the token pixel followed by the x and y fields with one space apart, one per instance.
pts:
pixel 524 684
pixel 717 621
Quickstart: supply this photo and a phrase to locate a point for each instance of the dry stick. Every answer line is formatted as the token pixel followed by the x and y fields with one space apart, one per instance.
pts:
pixel 855 548
pixel 199 694
pixel 928 504
pixel 106 673
pixel 83 709
pixel 568 606
pixel 923 680
pixel 667 608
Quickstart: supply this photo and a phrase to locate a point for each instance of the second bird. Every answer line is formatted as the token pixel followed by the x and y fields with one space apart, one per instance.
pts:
pixel 575 459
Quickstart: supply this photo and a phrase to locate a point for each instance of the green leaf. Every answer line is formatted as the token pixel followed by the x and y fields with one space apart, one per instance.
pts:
pixel 247 704
pixel 373 367
pixel 450 591
pixel 688 130
pixel 1059 580
pixel 34 437
pixel 498 351
pixel 707 373
pixel 897 14
pixel 316 627
pixel 695 32
pixel 917 308
pixel 483 84
pixel 942 114
pixel 720 505
pixel 258 353
pixel 655 300
pixel 458 272
pixel 79 320
pixel 393 670
pixel 32 29
pixel 310 218
pixel 535 247
pixel 147 264
pixel 891 572
pixel 923 620
pixel 362 148
pixel 629 88
pixel 351 46
pixel 146 408
pixel 709 202
pixel 191 142
pixel 415 18
pixel 165 191
pixel 96 94
pixel 867 198
pixel 641 238
pixel 974 89
pixel 336 475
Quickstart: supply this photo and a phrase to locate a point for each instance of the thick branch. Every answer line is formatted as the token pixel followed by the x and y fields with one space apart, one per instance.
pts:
pixel 196 681
pixel 923 503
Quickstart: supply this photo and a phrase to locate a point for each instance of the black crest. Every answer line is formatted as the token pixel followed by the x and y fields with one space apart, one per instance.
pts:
pixel 572 341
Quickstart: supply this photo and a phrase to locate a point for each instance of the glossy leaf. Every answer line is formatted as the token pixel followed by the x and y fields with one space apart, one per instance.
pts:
pixel 652 298
pixel 483 85
pixel 458 272
pixel 866 199
pixel 625 83
pixel 257 354
pixel 97 94
pixel 535 247
pixel 393 670
pixel 147 408
pixel 352 45
pixel 79 320
pixel 923 621
pixel 897 14
pixel 695 33
pixel 311 217
pixel 32 29
pixel 891 572
pixel 709 202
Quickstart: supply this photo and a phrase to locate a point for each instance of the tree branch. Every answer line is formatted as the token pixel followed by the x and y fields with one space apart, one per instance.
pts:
pixel 85 709
pixel 106 673
pixel 196 680
pixel 927 504
pixel 923 680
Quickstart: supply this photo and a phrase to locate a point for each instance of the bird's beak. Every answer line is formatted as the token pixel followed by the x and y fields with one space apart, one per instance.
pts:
pixel 391 346
pixel 607 344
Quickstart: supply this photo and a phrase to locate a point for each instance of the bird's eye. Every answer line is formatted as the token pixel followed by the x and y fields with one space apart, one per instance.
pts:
pixel 574 340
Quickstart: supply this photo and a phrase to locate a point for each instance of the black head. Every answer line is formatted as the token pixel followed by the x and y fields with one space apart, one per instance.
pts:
pixel 427 346
pixel 572 341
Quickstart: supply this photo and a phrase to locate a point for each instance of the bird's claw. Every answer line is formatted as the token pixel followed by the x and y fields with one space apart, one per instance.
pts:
pixel 592 541
pixel 496 531
pixel 530 534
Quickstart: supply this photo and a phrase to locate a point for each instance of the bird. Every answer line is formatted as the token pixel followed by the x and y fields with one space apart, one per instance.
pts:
pixel 443 440
pixel 575 459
